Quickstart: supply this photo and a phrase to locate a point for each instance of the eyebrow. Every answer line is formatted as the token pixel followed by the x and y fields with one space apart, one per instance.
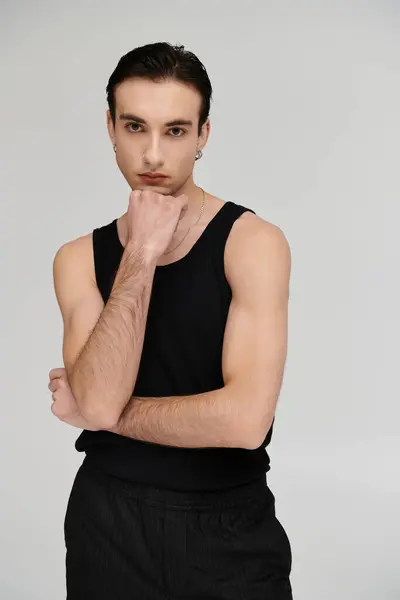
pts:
pixel 174 123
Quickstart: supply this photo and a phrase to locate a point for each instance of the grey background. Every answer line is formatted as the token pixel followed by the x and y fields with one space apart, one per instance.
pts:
pixel 305 130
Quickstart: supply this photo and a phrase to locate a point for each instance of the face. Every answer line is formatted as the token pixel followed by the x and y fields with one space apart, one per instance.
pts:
pixel 156 131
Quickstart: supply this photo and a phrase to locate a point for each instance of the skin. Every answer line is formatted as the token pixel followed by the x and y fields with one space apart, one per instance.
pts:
pixel 154 146
pixel 257 266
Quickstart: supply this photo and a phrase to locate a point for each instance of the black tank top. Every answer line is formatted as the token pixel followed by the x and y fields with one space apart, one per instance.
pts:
pixel 182 355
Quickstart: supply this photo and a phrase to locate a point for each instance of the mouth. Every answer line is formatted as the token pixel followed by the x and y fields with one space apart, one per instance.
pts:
pixel 153 176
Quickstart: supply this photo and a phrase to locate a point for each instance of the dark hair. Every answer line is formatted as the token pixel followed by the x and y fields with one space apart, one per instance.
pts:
pixel 162 61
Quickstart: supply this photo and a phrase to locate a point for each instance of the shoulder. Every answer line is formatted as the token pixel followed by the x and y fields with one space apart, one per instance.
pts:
pixel 251 232
pixel 78 249
pixel 74 258
pixel 74 279
pixel 255 247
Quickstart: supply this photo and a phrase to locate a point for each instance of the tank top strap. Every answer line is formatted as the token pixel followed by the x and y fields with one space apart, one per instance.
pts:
pixel 222 223
pixel 107 255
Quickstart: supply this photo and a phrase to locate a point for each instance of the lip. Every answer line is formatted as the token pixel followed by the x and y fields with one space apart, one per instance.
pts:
pixel 153 175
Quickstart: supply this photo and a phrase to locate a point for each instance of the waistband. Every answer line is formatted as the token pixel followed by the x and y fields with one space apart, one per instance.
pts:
pixel 254 490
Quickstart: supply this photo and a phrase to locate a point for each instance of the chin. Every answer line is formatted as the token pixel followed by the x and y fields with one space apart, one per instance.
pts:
pixel 157 187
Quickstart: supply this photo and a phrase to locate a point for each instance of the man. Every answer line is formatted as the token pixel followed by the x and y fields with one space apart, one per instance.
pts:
pixel 175 336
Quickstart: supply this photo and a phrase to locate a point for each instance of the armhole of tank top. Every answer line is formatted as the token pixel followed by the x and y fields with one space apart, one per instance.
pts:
pixel 97 242
pixel 238 213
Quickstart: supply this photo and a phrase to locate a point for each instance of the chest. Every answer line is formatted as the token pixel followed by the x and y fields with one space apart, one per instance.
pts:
pixel 190 302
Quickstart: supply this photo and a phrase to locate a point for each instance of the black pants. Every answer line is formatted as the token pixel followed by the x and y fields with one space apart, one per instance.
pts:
pixel 128 541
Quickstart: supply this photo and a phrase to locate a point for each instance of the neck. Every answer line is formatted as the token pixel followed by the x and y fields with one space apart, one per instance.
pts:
pixel 195 201
pixel 190 189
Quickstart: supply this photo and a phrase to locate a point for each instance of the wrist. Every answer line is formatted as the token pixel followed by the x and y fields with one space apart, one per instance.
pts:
pixel 142 254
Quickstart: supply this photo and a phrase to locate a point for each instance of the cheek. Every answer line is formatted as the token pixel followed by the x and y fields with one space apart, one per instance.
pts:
pixel 127 163
pixel 128 153
pixel 185 158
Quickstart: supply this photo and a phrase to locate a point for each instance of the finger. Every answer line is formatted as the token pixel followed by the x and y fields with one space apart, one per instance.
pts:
pixel 134 195
pixel 53 385
pixel 58 372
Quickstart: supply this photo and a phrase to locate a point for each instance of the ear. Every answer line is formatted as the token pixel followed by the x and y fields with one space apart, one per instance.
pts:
pixel 204 134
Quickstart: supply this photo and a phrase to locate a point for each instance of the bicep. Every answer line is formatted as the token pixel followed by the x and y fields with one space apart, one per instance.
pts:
pixel 255 341
pixel 78 297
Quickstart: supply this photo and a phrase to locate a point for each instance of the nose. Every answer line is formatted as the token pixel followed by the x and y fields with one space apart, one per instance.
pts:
pixel 152 154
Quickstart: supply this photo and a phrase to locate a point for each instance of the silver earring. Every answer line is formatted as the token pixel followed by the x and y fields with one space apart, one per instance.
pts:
pixel 199 154
pixel 115 147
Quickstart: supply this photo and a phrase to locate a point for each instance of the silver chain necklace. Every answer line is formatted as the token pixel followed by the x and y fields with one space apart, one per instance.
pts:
pixel 200 215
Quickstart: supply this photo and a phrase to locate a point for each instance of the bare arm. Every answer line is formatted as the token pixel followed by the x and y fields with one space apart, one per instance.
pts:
pixel 254 353
pixel 102 344
pixel 198 421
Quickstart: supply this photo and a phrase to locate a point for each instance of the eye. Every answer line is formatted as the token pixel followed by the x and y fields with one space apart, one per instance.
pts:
pixel 178 129
pixel 132 125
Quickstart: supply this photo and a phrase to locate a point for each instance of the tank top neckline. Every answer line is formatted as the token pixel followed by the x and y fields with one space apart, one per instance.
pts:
pixel 180 261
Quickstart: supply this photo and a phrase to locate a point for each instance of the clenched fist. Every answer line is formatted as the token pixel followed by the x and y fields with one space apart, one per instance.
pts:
pixel 152 219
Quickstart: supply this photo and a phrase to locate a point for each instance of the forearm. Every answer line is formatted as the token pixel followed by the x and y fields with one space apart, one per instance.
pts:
pixel 211 419
pixel 105 372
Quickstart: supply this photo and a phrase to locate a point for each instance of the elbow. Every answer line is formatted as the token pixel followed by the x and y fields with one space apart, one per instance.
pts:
pixel 252 431
pixel 244 435
pixel 253 440
pixel 97 417
pixel 251 418
pixel 99 420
